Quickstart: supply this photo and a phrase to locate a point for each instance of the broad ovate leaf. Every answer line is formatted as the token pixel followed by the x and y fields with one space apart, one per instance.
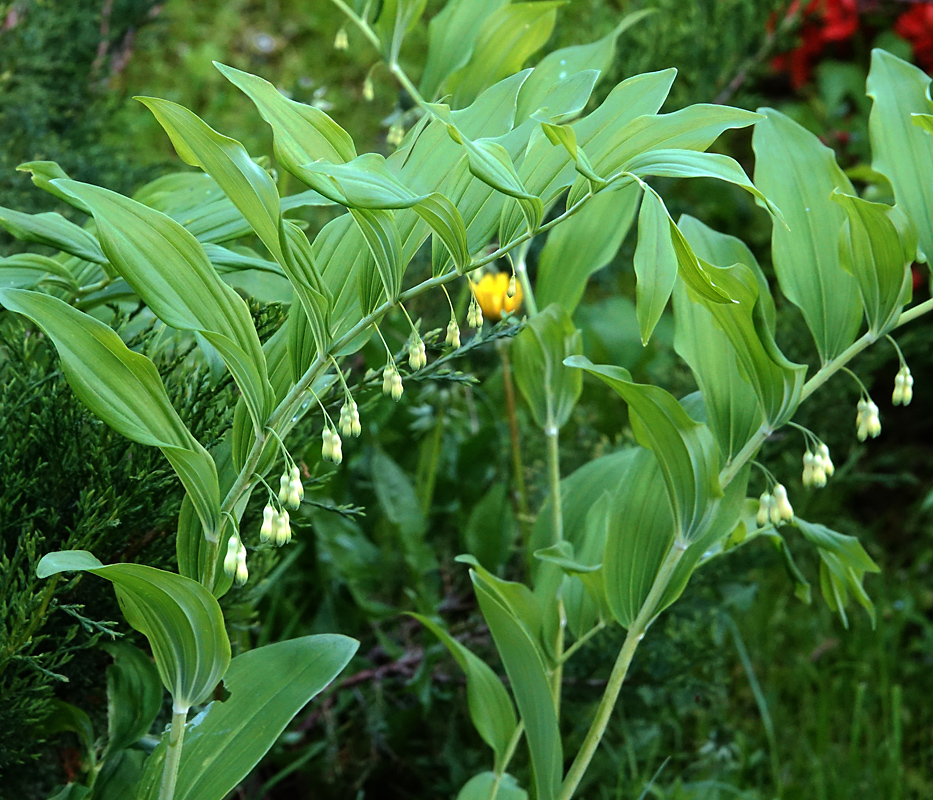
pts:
pixel 169 270
pixel 247 185
pixel 871 249
pixel 901 150
pixel 799 173
pixel 507 38
pixel 52 230
pixel 267 687
pixel 685 449
pixel 746 323
pixel 179 617
pixel 524 664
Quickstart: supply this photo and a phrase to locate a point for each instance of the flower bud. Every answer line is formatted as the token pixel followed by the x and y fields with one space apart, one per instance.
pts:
pixel 867 420
pixel 822 453
pixel 903 387
pixel 512 287
pixel 341 40
pixel 327 446
pixel 336 447
pixel 782 504
pixel 230 560
pixel 475 314
pixel 397 388
pixel 350 419
pixel 265 531
pixel 281 530
pixel 368 93
pixel 388 378
pixel 417 358
pixel 241 575
pixel 764 509
pixel 283 487
pixel 395 135
pixel 453 333
pixel 809 463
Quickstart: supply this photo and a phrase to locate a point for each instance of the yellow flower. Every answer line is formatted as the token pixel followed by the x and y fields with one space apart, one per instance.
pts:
pixel 492 292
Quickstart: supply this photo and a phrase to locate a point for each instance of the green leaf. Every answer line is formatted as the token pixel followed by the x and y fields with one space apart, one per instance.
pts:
pixel 538 354
pixel 385 243
pixel 640 531
pixel 490 529
pixel 480 787
pixel 900 149
pixel 28 270
pixel 427 163
pixel 546 170
pixel 302 134
pixel 566 61
pixel 844 563
pixel 248 186
pixel 396 18
pixel 43 174
pixel 491 709
pixel 193 551
pixel 490 162
pixel 567 96
pixel 365 182
pixel 448 227
pixel 179 617
pixel 799 174
pixel 67 718
pixel 732 405
pixel 134 695
pixel 655 263
pixel 169 270
pixel 507 38
pixel 691 164
pixel 585 497
pixel 525 667
pixel 582 245
pixel 685 449
pixel 124 389
pixel 870 248
pixel 747 325
pixel 452 35
pixel 268 686
pixel 52 230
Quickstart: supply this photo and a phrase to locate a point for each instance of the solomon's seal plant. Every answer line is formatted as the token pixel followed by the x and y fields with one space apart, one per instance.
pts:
pixel 490 157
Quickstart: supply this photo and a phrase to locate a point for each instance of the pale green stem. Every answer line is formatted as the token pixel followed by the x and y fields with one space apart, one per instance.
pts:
pixel 506 758
pixel 579 643
pixel 176 735
pixel 557 536
pixel 606 705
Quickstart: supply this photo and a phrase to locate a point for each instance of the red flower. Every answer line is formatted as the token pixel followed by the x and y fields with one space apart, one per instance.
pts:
pixel 824 22
pixel 916 26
